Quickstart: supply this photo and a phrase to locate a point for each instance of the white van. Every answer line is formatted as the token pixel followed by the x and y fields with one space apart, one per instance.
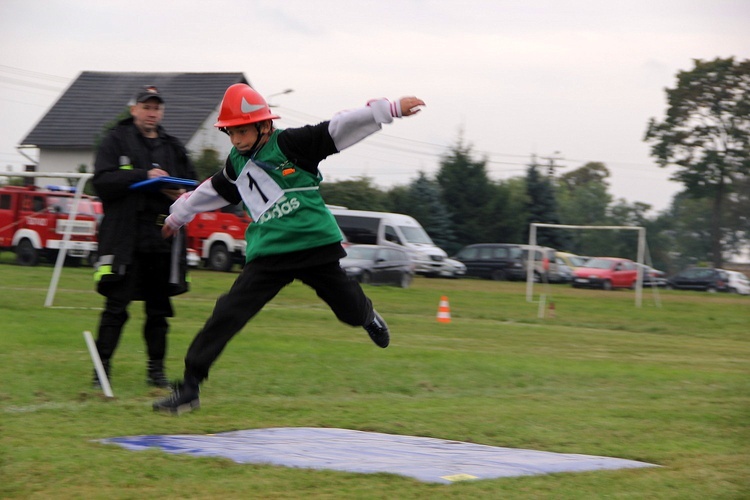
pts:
pixel 545 264
pixel 398 230
pixel 737 283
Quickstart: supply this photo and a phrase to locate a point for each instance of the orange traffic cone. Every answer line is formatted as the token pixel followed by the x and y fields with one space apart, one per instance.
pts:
pixel 444 311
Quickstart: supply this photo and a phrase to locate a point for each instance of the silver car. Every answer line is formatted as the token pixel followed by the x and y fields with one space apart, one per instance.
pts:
pixel 378 265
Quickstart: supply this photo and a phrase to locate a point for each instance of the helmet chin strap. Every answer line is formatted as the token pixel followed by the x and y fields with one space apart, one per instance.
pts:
pixel 260 134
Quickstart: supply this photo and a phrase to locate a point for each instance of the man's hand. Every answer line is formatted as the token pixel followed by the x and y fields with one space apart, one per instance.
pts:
pixel 157 172
pixel 172 193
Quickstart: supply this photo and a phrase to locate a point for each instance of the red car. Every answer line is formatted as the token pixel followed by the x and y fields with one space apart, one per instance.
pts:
pixel 606 273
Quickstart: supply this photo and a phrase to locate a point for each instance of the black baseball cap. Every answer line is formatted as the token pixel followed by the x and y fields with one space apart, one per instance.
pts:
pixel 148 92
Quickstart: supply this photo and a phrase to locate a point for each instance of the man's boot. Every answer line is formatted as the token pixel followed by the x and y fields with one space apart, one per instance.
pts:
pixel 155 375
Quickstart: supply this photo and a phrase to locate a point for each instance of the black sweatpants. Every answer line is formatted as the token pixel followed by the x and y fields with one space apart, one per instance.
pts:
pixel 254 288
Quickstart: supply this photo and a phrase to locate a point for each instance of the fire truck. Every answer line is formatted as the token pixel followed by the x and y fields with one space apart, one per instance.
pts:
pixel 218 237
pixel 33 221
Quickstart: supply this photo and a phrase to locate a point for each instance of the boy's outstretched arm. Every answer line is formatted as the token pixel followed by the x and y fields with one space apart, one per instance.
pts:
pixel 186 207
pixel 349 127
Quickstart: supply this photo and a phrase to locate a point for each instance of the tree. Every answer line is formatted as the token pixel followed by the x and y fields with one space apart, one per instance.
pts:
pixel 593 173
pixel 584 199
pixel 426 205
pixel 706 133
pixel 542 207
pixel 509 202
pixel 622 213
pixel 207 164
pixel 583 195
pixel 467 192
pixel 685 228
pixel 88 187
pixel 358 194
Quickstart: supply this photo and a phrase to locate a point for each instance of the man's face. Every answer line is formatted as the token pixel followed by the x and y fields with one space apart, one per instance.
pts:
pixel 147 116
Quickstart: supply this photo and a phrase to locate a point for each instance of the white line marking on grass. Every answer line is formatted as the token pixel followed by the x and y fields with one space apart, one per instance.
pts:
pixel 40 407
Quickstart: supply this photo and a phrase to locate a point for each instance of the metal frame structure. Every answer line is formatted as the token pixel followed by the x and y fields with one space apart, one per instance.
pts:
pixel 640 255
pixel 82 178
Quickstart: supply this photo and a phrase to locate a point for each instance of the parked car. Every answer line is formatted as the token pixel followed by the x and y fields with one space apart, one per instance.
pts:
pixel 654 277
pixel 378 265
pixel 606 273
pixel 737 282
pixel 496 261
pixel 451 268
pixel 395 230
pixel 544 266
pixel 572 260
pixel 564 272
pixel 700 278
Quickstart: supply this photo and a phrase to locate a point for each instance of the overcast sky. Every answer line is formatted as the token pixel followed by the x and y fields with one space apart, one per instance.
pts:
pixel 574 79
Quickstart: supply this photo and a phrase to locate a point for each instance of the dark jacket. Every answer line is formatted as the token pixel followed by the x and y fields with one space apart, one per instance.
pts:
pixel 131 217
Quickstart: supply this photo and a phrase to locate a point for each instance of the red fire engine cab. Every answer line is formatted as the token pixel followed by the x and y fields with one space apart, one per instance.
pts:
pixel 218 237
pixel 33 221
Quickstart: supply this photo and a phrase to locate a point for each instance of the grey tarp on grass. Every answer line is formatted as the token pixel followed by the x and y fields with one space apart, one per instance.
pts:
pixel 426 459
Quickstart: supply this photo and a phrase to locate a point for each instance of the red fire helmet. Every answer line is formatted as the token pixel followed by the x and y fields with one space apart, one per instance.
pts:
pixel 242 105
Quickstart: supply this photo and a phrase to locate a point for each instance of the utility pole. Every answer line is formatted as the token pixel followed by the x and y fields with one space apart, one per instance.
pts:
pixel 551 163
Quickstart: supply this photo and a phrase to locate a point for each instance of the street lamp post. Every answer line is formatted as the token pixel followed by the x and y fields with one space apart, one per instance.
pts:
pixel 283 92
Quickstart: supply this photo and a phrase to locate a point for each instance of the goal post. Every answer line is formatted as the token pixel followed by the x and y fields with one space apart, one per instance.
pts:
pixel 641 251
pixel 82 178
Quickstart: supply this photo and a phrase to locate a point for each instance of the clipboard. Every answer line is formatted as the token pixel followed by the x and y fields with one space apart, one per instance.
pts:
pixel 158 183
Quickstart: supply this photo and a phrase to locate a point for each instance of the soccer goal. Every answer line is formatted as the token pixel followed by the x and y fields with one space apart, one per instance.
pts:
pixel 641 251
pixel 82 178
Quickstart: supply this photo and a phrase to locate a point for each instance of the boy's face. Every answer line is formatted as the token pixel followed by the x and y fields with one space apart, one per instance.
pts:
pixel 244 136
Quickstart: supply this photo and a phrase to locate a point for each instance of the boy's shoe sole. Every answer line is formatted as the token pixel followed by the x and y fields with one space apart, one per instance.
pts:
pixel 183 399
pixel 377 329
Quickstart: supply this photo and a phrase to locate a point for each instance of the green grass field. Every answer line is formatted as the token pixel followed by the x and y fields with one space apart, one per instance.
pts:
pixel 668 385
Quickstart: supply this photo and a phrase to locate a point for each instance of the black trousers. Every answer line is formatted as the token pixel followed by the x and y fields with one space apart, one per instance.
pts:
pixel 147 279
pixel 254 288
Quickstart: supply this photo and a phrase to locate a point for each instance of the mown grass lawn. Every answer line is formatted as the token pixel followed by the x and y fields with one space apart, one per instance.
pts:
pixel 667 385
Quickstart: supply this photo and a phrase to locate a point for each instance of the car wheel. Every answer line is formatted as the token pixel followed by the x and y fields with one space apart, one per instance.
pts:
pixel 219 258
pixel 405 280
pixel 607 285
pixel 26 254
pixel 497 275
pixel 711 289
pixel 366 278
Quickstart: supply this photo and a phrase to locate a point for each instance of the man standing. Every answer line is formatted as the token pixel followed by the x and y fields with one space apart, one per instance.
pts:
pixel 135 261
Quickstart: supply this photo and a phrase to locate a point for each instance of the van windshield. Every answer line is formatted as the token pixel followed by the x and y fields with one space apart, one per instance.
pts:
pixel 415 234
